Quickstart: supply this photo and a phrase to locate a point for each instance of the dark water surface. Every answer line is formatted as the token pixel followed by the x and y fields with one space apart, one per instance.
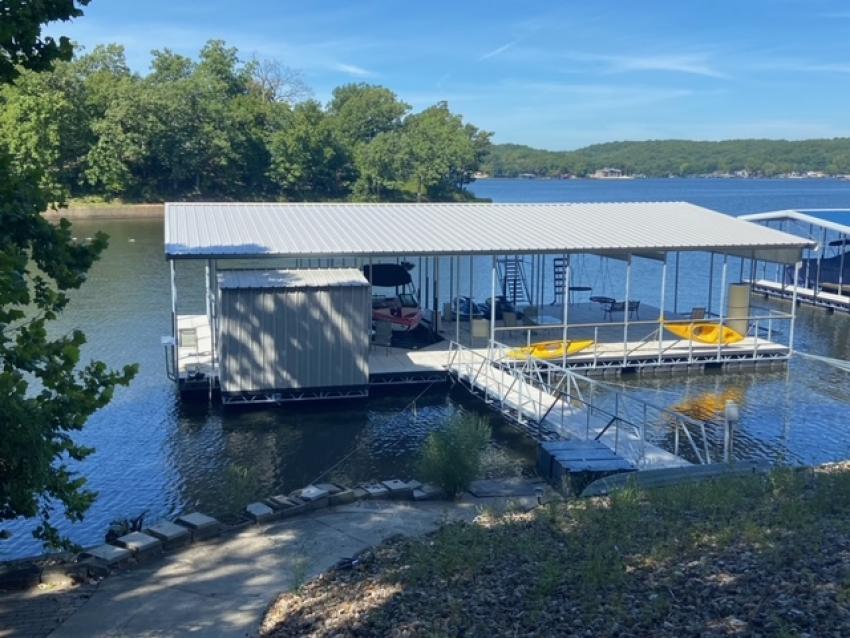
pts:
pixel 157 454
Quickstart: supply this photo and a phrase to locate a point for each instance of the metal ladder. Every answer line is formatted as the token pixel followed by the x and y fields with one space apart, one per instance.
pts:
pixel 559 279
pixel 514 282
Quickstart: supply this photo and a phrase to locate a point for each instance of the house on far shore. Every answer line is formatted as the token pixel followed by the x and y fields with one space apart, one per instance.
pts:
pixel 609 173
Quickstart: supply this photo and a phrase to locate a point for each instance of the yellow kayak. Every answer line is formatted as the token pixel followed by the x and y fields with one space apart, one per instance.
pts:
pixel 550 349
pixel 704 332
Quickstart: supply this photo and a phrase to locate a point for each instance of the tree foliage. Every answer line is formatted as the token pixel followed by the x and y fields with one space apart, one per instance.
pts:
pixel 45 393
pixel 222 128
pixel 660 158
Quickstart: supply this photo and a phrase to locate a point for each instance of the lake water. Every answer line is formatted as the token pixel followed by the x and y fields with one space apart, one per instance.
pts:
pixel 164 456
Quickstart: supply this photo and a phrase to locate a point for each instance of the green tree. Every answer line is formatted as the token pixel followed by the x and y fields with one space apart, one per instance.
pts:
pixel 363 111
pixel 45 396
pixel 307 160
pixel 442 151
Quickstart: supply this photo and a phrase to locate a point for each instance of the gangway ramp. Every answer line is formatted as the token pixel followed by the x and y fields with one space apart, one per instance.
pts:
pixel 553 402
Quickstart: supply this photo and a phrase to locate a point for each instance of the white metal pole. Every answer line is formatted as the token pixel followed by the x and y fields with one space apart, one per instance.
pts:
pixel 710 282
pixel 661 306
pixel 471 295
pixel 722 302
pixel 626 309
pixel 841 265
pixel 174 330
pixel 793 308
pixel 565 301
pixel 456 313
pixel 493 304
pixel 436 273
pixel 676 286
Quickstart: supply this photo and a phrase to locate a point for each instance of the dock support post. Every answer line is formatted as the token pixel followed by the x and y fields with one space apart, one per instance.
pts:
pixel 212 284
pixel 722 312
pixel 676 286
pixel 565 299
pixel 710 283
pixel 841 265
pixel 471 295
pixel 821 251
pixel 626 310
pixel 793 308
pixel 492 306
pixel 174 332
pixel 661 307
pixel 436 273
pixel 456 313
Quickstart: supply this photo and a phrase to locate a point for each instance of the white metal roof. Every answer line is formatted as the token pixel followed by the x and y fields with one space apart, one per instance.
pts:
pixel 291 279
pixel 799 216
pixel 221 230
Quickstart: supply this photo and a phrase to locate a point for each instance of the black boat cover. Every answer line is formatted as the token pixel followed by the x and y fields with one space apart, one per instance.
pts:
pixel 389 275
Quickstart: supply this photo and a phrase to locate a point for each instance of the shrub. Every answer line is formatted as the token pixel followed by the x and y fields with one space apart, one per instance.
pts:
pixel 452 456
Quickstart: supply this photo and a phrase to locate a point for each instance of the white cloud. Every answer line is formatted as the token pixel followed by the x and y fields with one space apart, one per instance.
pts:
pixel 353 69
pixel 497 51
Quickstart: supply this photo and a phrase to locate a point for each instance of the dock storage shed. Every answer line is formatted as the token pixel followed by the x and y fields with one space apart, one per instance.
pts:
pixel 286 334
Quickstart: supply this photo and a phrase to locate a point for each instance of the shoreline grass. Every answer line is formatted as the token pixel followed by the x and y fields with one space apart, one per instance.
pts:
pixel 761 555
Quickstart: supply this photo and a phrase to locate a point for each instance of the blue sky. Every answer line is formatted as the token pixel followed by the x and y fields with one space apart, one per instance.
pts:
pixel 555 75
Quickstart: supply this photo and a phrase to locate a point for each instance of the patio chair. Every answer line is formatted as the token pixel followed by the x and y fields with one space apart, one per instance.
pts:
pixel 620 306
pixel 697 312
pixel 383 333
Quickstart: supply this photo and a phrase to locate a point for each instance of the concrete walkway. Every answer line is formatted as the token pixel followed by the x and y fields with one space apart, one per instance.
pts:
pixel 222 587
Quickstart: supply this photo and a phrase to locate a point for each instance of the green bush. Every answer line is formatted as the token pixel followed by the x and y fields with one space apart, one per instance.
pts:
pixel 452 456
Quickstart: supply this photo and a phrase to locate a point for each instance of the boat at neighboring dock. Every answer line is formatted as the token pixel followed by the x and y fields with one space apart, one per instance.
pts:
pixel 704 332
pixel 400 309
pixel 548 350
pixel 465 308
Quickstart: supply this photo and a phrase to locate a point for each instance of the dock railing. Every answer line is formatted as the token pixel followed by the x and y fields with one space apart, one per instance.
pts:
pixel 770 328
pixel 551 401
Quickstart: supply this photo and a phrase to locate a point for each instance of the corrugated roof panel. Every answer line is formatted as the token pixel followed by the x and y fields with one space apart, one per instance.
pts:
pixel 291 279
pixel 215 230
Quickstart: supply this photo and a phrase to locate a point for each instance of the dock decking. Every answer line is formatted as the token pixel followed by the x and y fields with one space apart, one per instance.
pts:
pixel 820 298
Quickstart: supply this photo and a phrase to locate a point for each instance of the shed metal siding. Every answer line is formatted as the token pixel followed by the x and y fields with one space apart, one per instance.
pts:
pixel 278 338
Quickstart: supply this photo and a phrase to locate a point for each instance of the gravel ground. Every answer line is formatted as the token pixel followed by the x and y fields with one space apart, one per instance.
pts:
pixel 754 556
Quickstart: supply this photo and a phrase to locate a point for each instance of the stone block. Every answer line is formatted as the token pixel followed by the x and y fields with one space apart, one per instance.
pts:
pixel 259 512
pixel 413 485
pixel 360 493
pixel 142 546
pixel 342 498
pixel 397 489
pixel 200 525
pixel 312 493
pixel 287 506
pixel 376 490
pixel 171 535
pixel 330 488
pixel 427 493
pixel 109 555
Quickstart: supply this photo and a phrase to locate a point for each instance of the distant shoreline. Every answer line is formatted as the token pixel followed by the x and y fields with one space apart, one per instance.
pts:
pixel 108 211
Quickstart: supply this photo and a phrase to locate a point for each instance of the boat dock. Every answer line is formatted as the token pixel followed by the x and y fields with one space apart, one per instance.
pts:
pixel 308 327
pixel 820 298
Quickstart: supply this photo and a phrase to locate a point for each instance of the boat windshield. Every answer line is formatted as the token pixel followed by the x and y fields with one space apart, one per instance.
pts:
pixel 408 300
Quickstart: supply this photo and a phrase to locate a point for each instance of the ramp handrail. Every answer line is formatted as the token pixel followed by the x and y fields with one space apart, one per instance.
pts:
pixel 556 386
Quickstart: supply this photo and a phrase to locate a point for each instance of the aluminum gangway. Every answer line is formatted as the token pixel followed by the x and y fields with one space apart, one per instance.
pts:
pixel 553 402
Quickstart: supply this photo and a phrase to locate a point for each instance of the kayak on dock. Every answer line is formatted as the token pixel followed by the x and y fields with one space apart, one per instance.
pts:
pixel 704 332
pixel 549 350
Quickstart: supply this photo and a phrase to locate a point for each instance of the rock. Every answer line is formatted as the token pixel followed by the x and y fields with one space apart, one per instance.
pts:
pixel 427 493
pixel 413 485
pixel 142 546
pixel 200 525
pixel 259 512
pixel 170 534
pixel 108 555
pixel 287 505
pixel 313 496
pixel 397 489
pixel 343 497
pixel 330 488
pixel 376 490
